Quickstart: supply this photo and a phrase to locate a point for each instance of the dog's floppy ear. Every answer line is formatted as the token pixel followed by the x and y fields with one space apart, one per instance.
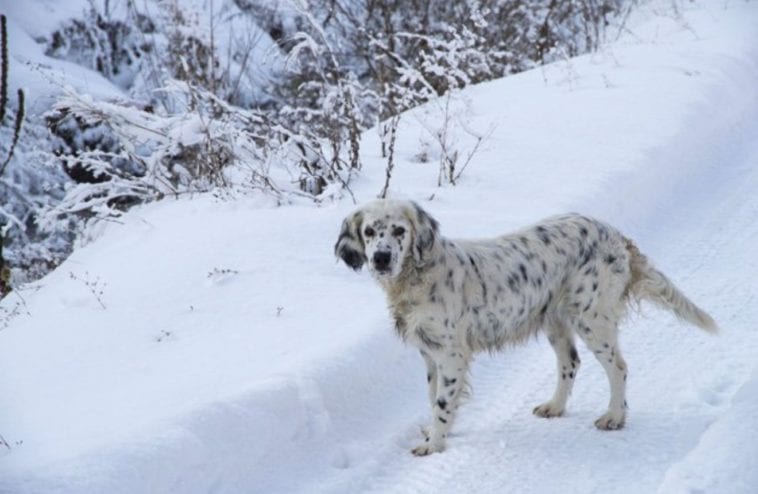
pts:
pixel 349 246
pixel 426 230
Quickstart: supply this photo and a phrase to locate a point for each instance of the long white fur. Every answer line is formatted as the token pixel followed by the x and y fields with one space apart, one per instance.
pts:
pixel 568 275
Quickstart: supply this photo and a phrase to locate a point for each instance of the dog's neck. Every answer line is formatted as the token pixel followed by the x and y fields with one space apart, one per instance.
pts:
pixel 407 289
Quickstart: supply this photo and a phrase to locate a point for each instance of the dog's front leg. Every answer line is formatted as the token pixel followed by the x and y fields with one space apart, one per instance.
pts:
pixel 431 376
pixel 431 380
pixel 451 368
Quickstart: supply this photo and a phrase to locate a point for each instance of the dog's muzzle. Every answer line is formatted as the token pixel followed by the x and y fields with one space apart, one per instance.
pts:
pixel 381 261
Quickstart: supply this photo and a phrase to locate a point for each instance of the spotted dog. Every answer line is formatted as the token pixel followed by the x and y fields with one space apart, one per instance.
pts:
pixel 567 276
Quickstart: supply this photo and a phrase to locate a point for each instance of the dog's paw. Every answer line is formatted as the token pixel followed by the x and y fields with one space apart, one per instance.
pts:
pixel 427 447
pixel 548 410
pixel 610 422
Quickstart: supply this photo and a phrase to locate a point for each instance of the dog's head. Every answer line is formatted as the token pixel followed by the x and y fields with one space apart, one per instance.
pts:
pixel 386 234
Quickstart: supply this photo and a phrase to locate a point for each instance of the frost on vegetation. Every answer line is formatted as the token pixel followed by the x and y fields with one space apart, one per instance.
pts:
pixel 258 96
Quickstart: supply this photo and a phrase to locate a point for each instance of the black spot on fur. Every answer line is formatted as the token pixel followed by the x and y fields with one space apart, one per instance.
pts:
pixel 609 259
pixel 522 268
pixel 481 278
pixel 442 419
pixel 449 279
pixel 442 403
pixel 448 381
pixel 513 283
pixel 543 235
pixel 587 256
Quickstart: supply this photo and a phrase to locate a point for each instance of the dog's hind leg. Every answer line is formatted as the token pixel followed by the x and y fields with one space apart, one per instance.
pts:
pixel 600 335
pixel 562 341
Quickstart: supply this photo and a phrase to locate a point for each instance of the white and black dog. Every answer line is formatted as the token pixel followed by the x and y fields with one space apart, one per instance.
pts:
pixel 568 275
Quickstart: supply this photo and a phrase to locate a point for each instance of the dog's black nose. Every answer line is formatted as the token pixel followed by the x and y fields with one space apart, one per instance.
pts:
pixel 382 260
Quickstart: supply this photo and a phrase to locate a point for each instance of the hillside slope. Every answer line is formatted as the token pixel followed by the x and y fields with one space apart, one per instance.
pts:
pixel 215 345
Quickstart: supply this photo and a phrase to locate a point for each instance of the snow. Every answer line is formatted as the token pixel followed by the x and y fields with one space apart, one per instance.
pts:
pixel 43 78
pixel 213 344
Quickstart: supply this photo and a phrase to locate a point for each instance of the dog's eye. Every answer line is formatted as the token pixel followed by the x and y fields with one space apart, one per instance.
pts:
pixel 369 232
pixel 398 230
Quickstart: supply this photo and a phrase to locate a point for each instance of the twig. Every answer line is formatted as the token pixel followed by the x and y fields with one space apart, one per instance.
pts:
pixel 394 121
pixel 94 286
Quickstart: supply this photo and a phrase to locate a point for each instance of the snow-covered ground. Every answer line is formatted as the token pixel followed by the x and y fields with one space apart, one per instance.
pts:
pixel 215 345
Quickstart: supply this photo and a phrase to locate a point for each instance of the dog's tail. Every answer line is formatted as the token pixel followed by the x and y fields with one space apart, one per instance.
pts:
pixel 650 284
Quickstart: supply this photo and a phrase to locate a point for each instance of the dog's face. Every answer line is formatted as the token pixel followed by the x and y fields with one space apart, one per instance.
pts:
pixel 384 234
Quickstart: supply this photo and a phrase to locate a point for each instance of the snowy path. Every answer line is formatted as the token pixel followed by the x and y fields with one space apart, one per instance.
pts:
pixel 681 381
pixel 228 364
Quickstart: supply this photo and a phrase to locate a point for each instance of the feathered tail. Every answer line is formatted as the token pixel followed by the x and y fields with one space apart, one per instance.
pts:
pixel 650 284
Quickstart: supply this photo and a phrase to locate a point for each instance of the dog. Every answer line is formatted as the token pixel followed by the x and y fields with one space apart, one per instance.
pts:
pixel 567 276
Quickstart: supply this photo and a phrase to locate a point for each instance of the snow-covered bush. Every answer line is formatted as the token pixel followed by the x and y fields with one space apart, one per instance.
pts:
pixel 257 94
pixel 112 47
pixel 348 65
pixel 25 252
pixel 124 155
